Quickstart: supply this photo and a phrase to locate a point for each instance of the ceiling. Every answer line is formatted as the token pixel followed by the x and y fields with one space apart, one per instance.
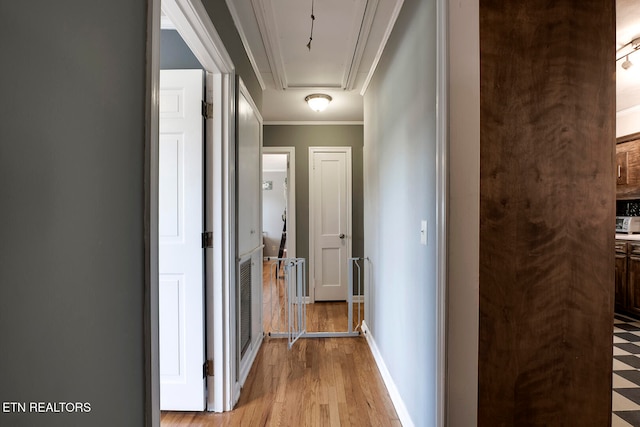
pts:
pixel 627 81
pixel 348 39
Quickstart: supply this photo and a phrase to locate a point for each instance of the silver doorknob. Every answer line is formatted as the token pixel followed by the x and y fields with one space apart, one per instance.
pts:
pixel 341 235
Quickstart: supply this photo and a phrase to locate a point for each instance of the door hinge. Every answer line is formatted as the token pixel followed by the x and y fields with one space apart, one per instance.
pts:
pixel 207 110
pixel 207 239
pixel 207 369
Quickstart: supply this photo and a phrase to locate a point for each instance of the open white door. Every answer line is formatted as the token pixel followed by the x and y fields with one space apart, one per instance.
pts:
pixel 330 221
pixel 181 271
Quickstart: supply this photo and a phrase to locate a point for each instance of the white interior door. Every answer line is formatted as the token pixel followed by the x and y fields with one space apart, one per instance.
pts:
pixel 330 221
pixel 181 271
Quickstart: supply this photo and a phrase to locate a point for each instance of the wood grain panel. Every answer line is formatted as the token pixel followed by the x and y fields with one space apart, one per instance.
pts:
pixel 547 192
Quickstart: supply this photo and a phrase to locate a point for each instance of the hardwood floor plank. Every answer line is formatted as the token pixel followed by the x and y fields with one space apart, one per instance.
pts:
pixel 319 382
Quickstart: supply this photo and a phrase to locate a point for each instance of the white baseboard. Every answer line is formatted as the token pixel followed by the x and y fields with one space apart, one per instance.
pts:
pixel 356 299
pixel 245 366
pixel 397 401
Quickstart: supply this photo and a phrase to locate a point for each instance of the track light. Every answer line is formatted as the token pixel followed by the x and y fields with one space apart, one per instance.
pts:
pixel 627 64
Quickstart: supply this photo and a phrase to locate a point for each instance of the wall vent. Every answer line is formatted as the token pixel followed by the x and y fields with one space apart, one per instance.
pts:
pixel 245 306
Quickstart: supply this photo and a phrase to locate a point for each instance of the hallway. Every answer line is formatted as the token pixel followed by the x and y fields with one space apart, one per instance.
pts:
pixel 320 382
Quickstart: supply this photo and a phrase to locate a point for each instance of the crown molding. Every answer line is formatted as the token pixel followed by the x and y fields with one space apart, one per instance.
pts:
pixel 385 38
pixel 245 42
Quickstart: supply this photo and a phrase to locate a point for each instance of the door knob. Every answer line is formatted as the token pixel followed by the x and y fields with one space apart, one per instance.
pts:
pixel 341 235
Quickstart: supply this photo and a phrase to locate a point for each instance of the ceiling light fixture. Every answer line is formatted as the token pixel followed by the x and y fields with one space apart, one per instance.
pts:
pixel 318 101
pixel 630 48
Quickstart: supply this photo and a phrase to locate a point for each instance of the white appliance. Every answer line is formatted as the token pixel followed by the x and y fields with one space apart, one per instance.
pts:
pixel 628 224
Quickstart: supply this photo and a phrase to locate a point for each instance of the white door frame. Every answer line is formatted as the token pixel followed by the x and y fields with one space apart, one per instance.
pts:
pixel 312 210
pixel 193 24
pixel 291 194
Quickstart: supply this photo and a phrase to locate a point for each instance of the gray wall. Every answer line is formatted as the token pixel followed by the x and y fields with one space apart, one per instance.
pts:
pixel 175 54
pixel 302 137
pixel 72 240
pixel 399 177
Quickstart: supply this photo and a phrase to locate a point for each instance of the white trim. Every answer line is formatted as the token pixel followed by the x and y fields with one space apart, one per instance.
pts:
pixel 628 110
pixel 246 364
pixel 194 26
pixel 357 299
pixel 166 23
pixel 266 24
pixel 291 191
pixel 356 40
pixel 355 56
pixel 442 191
pixel 231 5
pixel 398 403
pixel 312 210
pixel 385 39
pixel 310 123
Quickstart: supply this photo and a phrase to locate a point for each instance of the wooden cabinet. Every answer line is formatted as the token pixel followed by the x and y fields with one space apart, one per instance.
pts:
pixel 633 278
pixel 628 167
pixel 621 276
pixel 627 276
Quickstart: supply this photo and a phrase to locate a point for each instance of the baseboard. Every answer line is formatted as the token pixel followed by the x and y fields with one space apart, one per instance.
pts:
pixel 245 366
pixel 356 299
pixel 397 401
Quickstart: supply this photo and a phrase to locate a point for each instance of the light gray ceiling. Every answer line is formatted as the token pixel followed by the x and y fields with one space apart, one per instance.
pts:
pixel 348 38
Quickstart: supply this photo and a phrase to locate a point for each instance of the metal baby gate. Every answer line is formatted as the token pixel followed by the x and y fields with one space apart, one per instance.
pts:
pixel 285 299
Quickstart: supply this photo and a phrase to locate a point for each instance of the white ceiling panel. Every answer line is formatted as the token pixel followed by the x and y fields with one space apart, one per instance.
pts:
pixel 348 39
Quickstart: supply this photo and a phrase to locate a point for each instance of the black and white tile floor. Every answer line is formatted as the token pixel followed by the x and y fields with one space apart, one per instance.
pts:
pixel 626 372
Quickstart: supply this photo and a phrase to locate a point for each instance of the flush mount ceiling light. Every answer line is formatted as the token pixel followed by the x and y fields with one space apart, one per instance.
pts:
pixel 627 64
pixel 318 101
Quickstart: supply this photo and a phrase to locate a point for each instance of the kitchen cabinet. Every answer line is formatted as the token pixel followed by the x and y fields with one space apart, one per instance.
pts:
pixel 621 276
pixel 627 277
pixel 628 167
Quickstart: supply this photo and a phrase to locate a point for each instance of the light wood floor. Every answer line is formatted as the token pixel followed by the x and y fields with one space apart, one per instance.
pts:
pixel 320 382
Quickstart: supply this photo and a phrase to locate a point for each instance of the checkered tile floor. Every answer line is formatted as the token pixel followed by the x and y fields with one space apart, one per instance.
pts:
pixel 626 372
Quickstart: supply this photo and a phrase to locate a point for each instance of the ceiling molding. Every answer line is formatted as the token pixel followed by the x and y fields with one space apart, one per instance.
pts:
pixel 353 40
pixel 364 26
pixel 245 42
pixel 166 23
pixel 385 38
pixel 263 10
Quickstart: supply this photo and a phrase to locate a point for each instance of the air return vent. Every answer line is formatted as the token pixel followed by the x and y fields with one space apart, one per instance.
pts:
pixel 245 306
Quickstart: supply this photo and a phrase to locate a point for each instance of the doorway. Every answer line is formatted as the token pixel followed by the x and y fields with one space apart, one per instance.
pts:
pixel 219 198
pixel 330 235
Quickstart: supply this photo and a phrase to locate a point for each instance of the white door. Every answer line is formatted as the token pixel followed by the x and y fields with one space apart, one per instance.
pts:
pixel 180 257
pixel 330 221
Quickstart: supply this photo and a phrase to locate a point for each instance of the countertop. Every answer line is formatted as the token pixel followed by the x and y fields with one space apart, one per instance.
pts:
pixel 628 236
